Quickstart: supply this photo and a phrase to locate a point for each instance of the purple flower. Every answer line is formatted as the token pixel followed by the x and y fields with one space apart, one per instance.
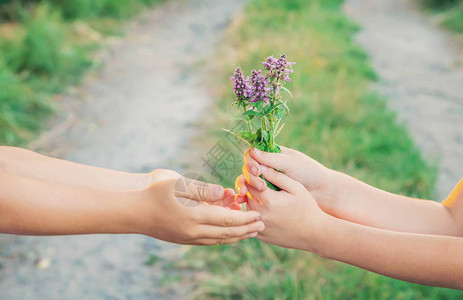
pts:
pixel 241 85
pixel 278 69
pixel 260 87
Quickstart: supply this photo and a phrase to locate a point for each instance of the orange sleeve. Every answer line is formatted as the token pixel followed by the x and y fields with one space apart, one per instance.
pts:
pixel 456 193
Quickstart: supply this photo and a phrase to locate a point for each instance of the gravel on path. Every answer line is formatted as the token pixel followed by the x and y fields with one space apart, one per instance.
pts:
pixel 136 114
pixel 421 73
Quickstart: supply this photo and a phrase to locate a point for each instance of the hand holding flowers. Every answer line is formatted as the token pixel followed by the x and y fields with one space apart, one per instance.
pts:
pixel 291 216
pixel 393 235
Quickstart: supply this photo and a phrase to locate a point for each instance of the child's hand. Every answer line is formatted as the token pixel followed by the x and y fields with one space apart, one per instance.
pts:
pixel 196 190
pixel 314 176
pixel 177 210
pixel 291 216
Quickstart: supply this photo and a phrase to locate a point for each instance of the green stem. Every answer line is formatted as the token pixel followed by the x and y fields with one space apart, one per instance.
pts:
pixel 248 122
pixel 272 137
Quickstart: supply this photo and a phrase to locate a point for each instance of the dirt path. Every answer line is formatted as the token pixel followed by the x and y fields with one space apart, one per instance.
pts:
pixel 136 114
pixel 421 72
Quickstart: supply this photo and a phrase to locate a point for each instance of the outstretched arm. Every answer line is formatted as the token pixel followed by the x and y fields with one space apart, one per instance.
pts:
pixel 25 163
pixel 350 199
pixel 419 258
pixel 361 203
pixel 294 220
pixel 34 207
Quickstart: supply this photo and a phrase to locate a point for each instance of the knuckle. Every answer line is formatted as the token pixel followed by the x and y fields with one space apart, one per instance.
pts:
pixel 192 233
pixel 226 234
pixel 228 220
pixel 277 175
pixel 194 218
pixel 202 191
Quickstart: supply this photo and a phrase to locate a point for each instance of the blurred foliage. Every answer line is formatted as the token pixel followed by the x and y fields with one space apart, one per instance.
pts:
pixel 334 118
pixel 440 3
pixel 46 46
pixel 449 13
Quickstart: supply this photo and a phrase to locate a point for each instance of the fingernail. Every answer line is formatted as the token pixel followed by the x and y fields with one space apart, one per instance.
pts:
pixel 258 218
pixel 251 235
pixel 260 228
pixel 260 186
pixel 255 171
pixel 242 192
pixel 257 151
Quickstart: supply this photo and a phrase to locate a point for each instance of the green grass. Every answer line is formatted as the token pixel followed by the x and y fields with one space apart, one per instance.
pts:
pixel 448 12
pixel 334 118
pixel 46 46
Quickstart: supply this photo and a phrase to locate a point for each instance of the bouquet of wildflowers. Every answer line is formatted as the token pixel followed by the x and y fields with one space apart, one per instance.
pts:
pixel 260 100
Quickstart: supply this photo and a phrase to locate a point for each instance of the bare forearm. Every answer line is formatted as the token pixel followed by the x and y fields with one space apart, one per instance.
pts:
pixel 25 163
pixel 33 207
pixel 358 202
pixel 425 259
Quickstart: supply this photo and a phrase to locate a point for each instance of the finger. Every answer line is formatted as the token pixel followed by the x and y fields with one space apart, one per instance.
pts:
pixel 286 150
pixel 210 242
pixel 229 200
pixel 220 232
pixel 281 180
pixel 220 216
pixel 197 190
pixel 240 185
pixel 228 197
pixel 255 181
pixel 251 164
pixel 235 206
pixel 241 199
pixel 257 198
pixel 279 161
pixel 253 204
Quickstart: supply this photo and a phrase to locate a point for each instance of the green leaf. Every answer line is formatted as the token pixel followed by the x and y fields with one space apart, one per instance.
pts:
pixel 275 149
pixel 239 136
pixel 240 117
pixel 262 146
pixel 286 107
pixel 259 135
pixel 286 90
pixel 279 113
pixel 271 118
pixel 266 135
pixel 249 136
pixel 259 105
pixel 269 184
pixel 277 132
pixel 269 108
pixel 251 113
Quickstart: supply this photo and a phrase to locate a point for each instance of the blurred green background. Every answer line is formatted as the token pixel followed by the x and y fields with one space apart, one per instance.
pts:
pixel 46 46
pixel 336 119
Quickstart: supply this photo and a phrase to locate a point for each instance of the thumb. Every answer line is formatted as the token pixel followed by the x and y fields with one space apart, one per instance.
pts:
pixel 197 190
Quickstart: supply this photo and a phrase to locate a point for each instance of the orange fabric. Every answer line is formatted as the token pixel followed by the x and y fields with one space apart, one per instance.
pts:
pixel 455 194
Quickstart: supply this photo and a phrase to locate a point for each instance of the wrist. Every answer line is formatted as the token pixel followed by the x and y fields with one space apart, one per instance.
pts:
pixel 326 193
pixel 136 211
pixel 320 241
pixel 316 232
pixel 140 181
